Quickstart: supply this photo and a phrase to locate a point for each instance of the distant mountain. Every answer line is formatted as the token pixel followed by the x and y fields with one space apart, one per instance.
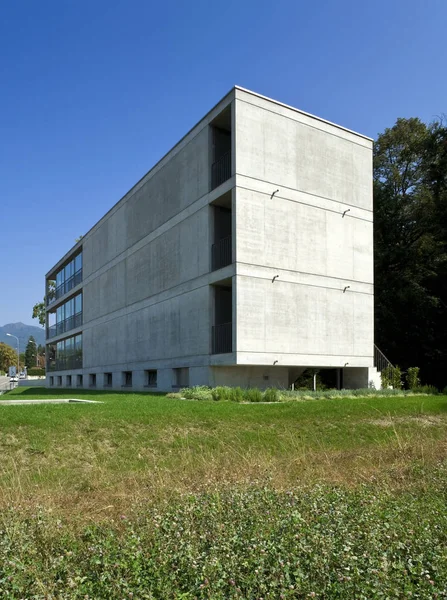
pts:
pixel 23 332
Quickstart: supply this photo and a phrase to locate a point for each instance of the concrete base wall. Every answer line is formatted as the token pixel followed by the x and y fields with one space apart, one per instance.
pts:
pixel 361 378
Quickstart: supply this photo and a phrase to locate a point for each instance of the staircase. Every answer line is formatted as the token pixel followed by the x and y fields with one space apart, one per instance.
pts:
pixel 380 360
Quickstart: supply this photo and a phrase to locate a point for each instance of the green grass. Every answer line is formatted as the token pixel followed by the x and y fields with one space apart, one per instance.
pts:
pixel 145 444
pixel 149 497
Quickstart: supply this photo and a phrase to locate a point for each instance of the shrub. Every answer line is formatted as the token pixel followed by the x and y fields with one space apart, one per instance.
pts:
pixel 197 392
pixel 236 394
pixel 271 395
pixel 392 376
pixel 431 390
pixel 253 395
pixel 412 378
pixel 220 393
pixel 35 372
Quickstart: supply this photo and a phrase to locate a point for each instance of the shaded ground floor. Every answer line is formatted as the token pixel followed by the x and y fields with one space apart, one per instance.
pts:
pixel 245 376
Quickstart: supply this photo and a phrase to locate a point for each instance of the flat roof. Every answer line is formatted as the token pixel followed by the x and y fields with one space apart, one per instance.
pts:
pixel 302 112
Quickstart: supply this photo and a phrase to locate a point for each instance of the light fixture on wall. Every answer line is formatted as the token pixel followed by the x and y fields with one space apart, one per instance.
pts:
pixel 275 192
pixel 274 278
pixel 346 364
pixel 346 288
pixel 274 363
pixel 346 211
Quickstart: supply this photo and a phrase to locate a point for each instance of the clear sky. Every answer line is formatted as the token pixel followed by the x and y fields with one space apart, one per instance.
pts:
pixel 94 92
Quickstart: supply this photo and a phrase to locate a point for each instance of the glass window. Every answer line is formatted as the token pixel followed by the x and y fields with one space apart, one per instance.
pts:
pixel 78 262
pixel 78 342
pixel 78 304
pixel 59 278
pixel 60 349
pixel 60 313
pixel 69 346
pixel 69 308
pixel 69 270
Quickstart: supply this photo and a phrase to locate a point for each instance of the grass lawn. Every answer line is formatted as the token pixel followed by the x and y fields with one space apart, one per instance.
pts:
pixel 96 459
pixel 148 497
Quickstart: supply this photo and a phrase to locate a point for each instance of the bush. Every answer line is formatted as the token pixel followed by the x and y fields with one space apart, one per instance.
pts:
pixel 431 390
pixel 197 392
pixel 36 372
pixel 236 394
pixel 220 393
pixel 412 378
pixel 253 395
pixel 392 376
pixel 271 395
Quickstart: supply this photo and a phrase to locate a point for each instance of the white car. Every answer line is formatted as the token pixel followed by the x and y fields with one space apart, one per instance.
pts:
pixel 22 376
pixel 14 379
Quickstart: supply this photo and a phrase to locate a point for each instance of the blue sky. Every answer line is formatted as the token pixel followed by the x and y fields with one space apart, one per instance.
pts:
pixel 94 92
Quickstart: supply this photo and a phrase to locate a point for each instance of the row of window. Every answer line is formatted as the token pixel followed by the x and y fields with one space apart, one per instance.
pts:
pixel 66 279
pixel 68 316
pixel 150 379
pixel 181 379
pixel 66 354
pixel 69 270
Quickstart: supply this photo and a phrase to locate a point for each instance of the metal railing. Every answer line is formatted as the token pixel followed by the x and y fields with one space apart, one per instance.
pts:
pixel 380 360
pixel 221 170
pixel 221 254
pixel 63 364
pixel 222 338
pixel 65 325
pixel 65 287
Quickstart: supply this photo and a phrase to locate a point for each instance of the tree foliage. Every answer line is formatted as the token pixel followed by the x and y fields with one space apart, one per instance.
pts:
pixel 8 357
pixel 39 312
pixel 410 166
pixel 31 352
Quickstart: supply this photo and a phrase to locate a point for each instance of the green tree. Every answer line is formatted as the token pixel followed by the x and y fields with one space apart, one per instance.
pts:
pixel 413 380
pixel 39 312
pixel 410 249
pixel 39 307
pixel 8 357
pixel 31 352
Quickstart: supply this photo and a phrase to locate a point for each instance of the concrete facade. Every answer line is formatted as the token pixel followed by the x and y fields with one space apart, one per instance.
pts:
pixel 243 257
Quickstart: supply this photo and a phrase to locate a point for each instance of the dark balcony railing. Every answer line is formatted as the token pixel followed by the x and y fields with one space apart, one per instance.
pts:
pixel 222 338
pixel 221 170
pixel 65 287
pixel 63 364
pixel 65 325
pixel 221 254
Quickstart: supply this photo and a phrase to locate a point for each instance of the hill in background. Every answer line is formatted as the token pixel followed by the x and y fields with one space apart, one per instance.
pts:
pixel 23 332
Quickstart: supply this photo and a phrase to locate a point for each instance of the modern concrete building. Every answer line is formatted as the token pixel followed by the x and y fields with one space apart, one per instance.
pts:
pixel 242 258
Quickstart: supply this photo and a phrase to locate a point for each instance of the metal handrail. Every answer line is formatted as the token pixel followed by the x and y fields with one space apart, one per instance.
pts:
pixel 68 284
pixel 221 254
pixel 380 360
pixel 65 325
pixel 62 364
pixel 221 170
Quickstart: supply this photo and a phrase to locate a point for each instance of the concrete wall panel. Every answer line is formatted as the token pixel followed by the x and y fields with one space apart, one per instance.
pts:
pixel 276 147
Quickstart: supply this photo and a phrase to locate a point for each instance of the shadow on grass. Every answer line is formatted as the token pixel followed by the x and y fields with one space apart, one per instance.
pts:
pixel 36 392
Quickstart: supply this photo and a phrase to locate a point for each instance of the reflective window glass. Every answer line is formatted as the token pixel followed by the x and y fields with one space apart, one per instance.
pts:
pixel 78 303
pixel 78 262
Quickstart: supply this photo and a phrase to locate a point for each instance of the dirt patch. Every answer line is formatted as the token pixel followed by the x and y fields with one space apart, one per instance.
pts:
pixel 421 420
